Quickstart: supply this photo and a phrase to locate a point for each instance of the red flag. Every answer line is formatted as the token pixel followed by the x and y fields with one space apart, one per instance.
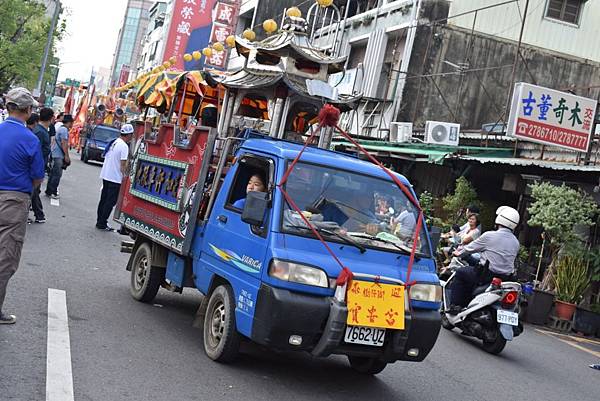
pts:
pixel 69 102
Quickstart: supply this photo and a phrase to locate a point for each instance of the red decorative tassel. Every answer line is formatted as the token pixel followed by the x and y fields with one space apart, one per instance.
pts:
pixel 329 116
pixel 345 276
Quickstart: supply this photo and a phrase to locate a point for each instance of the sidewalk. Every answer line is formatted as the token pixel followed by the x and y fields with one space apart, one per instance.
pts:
pixel 589 345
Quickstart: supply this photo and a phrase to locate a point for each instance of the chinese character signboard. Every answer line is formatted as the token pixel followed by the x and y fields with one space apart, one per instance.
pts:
pixel 196 24
pixel 375 305
pixel 551 117
pixel 123 74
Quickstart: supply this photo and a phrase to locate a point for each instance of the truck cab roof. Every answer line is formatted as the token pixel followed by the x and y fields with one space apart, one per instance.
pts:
pixel 289 150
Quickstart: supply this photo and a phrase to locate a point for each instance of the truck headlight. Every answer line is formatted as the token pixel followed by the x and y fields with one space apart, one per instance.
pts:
pixel 297 273
pixel 426 292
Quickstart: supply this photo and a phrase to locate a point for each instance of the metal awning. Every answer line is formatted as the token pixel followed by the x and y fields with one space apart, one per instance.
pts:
pixel 513 161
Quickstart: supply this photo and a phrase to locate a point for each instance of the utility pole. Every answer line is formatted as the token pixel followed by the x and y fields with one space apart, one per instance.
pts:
pixel 38 89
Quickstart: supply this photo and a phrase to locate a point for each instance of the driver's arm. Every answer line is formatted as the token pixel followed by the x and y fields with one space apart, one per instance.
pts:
pixel 476 246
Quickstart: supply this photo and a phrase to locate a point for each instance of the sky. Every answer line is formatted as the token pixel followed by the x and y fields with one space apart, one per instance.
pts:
pixel 92 32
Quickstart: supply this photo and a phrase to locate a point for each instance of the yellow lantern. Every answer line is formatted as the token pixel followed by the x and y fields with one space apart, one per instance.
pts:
pixel 187 57
pixel 249 34
pixel 270 26
pixel 230 41
pixel 207 51
pixel 294 12
pixel 173 60
pixel 324 3
pixel 218 47
pixel 197 55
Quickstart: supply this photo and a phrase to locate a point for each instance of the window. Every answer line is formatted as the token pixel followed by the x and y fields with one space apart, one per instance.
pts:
pixel 564 10
pixel 248 167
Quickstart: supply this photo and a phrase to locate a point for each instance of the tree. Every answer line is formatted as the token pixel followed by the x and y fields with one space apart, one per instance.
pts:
pixel 24 29
pixel 464 195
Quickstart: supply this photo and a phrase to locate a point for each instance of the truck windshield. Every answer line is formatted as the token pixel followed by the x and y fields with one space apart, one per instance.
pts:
pixel 105 134
pixel 371 211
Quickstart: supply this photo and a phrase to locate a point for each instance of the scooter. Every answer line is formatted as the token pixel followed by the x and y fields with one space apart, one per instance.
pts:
pixel 492 316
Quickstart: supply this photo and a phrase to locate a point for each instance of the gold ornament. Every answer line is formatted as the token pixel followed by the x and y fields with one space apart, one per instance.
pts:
pixel 270 26
pixel 324 3
pixel 197 55
pixel 230 41
pixel 207 51
pixel 218 47
pixel 173 60
pixel 249 34
pixel 187 57
pixel 294 12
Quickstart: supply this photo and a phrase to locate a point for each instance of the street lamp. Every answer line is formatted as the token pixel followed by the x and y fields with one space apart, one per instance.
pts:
pixel 38 89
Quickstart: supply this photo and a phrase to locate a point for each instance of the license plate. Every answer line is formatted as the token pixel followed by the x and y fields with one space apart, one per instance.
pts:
pixel 364 335
pixel 506 317
pixel 375 305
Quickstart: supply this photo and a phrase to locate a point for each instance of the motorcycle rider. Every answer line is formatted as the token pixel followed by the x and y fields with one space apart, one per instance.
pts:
pixel 498 250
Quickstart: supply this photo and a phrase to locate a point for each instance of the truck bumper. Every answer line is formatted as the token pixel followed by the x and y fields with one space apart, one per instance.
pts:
pixel 321 322
pixel 95 154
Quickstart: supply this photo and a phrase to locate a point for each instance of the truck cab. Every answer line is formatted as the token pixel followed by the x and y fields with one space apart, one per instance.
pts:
pixel 96 139
pixel 272 271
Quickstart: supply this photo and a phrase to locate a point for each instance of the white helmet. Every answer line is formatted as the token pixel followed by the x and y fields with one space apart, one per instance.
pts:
pixel 507 217
pixel 127 129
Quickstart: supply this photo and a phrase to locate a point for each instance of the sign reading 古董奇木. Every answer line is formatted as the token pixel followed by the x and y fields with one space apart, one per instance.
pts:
pixel 551 117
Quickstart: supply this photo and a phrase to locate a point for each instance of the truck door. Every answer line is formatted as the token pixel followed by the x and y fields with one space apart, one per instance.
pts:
pixel 233 248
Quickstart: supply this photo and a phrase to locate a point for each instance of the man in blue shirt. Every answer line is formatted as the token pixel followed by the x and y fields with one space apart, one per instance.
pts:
pixel 41 130
pixel 60 156
pixel 21 170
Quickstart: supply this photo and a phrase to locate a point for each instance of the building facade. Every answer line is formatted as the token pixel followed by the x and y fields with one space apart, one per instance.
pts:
pixel 129 43
pixel 153 44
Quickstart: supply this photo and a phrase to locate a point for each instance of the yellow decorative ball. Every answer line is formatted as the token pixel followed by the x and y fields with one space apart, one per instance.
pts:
pixel 270 26
pixel 230 41
pixel 187 57
pixel 173 60
pixel 197 55
pixel 207 51
pixel 294 12
pixel 166 64
pixel 324 3
pixel 218 47
pixel 249 34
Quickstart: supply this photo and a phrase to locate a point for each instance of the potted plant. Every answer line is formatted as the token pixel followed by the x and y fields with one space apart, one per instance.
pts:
pixel 570 280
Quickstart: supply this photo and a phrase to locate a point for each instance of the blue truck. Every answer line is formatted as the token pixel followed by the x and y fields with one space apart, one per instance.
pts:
pixel 265 274
pixel 95 140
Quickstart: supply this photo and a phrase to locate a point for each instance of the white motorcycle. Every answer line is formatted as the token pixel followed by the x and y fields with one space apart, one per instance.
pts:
pixel 492 316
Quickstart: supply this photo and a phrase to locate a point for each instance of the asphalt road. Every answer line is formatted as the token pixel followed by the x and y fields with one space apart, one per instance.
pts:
pixel 125 350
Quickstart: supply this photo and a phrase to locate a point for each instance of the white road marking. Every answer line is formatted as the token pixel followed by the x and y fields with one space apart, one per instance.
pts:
pixel 54 202
pixel 59 375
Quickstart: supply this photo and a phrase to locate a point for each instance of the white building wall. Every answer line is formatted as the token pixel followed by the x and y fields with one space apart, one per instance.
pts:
pixel 504 21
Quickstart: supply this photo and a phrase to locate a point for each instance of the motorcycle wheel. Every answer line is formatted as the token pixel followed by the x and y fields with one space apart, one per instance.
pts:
pixel 495 347
pixel 445 323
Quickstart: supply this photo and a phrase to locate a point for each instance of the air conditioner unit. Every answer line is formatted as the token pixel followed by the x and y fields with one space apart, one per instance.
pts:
pixel 401 132
pixel 440 133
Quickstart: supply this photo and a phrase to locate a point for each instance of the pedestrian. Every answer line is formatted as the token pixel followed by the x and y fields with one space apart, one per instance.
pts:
pixel 41 130
pixel 112 173
pixel 60 156
pixel 21 170
pixel 32 121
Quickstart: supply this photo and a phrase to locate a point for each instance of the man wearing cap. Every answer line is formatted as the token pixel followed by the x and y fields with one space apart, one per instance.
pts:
pixel 21 170
pixel 113 170
pixel 60 156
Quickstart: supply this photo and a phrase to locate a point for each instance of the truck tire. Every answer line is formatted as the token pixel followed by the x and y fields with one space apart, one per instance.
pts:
pixel 145 278
pixel 365 365
pixel 220 336
pixel 495 347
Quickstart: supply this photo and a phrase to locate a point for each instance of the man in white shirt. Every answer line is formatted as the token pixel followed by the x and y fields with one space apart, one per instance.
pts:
pixel 113 170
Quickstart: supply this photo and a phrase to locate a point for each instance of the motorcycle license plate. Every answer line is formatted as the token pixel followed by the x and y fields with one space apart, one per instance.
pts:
pixel 364 335
pixel 506 317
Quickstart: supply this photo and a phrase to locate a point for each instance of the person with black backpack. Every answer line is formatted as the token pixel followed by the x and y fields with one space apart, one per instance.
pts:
pixel 60 156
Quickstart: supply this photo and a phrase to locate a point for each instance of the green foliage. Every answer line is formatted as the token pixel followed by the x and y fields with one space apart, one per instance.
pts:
pixel 571 278
pixel 557 209
pixel 23 33
pixel 463 196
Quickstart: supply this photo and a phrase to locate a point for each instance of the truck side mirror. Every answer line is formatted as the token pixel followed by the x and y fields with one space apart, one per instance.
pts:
pixel 255 208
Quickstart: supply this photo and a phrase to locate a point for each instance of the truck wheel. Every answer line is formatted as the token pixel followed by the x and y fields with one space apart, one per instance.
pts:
pixel 145 278
pixel 365 365
pixel 495 347
pixel 220 336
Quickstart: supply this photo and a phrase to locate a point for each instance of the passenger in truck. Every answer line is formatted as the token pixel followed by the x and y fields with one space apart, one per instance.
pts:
pixel 256 183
